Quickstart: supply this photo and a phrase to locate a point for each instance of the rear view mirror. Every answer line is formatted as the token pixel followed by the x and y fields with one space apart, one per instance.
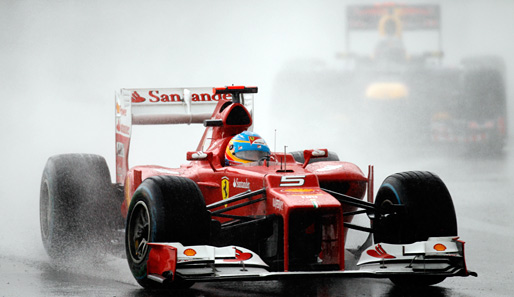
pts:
pixel 317 153
pixel 200 156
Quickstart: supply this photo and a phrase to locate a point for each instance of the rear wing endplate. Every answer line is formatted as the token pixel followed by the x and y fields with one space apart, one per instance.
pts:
pixel 159 106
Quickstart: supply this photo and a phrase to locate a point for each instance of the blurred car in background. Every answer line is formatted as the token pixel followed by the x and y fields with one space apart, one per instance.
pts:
pixel 397 95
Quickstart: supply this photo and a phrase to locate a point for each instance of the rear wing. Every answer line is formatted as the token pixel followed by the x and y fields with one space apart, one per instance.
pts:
pixel 407 17
pixel 159 106
pixel 412 17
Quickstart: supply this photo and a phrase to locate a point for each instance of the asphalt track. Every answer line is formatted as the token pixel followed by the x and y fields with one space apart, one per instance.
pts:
pixel 482 191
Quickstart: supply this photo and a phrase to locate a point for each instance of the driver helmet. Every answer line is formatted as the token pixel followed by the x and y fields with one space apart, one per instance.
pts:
pixel 246 147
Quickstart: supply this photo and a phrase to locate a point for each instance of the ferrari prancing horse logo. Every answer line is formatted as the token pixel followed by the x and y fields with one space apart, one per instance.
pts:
pixel 225 188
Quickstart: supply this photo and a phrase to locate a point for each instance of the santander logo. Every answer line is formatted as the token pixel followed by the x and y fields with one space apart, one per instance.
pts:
pixel 136 98
pixel 379 252
pixel 240 256
pixel 241 184
pixel 155 96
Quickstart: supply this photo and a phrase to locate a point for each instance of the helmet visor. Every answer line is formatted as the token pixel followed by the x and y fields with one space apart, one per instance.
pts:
pixel 251 155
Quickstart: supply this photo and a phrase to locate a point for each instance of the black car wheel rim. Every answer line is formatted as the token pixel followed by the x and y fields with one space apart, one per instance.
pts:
pixel 139 232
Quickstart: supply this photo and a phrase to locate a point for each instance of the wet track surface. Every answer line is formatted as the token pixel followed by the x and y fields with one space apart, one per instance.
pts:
pixel 482 192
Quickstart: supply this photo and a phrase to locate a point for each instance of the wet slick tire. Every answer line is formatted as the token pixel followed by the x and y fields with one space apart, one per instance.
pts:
pixel 164 209
pixel 77 206
pixel 428 212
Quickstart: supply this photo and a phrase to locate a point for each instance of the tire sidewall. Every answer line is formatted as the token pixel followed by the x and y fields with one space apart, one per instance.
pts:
pixel 155 208
pixel 53 223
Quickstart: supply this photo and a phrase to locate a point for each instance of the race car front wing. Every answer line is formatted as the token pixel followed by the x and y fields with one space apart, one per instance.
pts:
pixel 438 256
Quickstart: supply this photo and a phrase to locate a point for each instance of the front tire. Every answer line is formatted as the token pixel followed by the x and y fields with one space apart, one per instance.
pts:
pixel 428 212
pixel 164 209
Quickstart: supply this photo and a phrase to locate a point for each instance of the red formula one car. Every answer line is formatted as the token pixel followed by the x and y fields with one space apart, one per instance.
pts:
pixel 254 216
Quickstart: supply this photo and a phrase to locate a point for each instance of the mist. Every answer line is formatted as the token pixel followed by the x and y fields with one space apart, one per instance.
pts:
pixel 62 61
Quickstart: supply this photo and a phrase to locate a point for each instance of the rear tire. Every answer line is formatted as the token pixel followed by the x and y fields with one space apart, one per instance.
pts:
pixel 429 212
pixel 485 87
pixel 164 209
pixel 77 205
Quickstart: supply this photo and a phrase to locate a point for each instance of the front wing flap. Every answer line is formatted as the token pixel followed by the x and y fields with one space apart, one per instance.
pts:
pixel 441 256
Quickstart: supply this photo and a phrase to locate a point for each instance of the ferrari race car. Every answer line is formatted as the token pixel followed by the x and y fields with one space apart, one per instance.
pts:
pixel 391 80
pixel 279 215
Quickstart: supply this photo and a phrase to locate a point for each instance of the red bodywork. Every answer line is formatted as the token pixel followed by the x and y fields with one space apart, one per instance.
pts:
pixel 291 188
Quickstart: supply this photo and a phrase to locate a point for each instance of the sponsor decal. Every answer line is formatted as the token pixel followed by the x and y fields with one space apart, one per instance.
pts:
pixel 315 203
pixel 136 98
pixel 241 184
pixel 225 188
pixel 154 96
pixel 308 196
pixel 329 168
pixel 189 252
pixel 256 140
pixel 119 169
pixel 120 111
pixel 440 247
pixel 278 204
pixel 124 129
pixel 240 256
pixel 297 190
pixel 379 252
pixel 120 149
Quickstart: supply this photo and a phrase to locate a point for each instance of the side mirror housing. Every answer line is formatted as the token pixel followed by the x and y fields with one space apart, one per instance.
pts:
pixel 200 156
pixel 317 153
